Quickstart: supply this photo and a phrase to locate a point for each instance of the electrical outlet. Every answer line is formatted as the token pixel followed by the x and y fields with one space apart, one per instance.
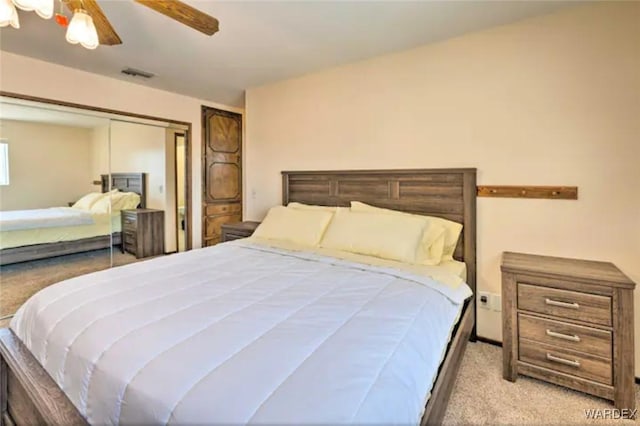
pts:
pixel 484 299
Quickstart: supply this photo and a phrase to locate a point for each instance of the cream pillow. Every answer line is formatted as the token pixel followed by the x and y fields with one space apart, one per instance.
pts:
pixel 374 234
pixel 452 235
pixel 87 201
pixel 300 206
pixel 103 205
pixel 431 247
pixel 111 202
pixel 124 201
pixel 298 226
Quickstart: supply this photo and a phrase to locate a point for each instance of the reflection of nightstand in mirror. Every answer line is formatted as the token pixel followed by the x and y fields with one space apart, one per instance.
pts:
pixel 143 232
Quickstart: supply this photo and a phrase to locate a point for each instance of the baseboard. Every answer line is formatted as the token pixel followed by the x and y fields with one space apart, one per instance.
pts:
pixel 489 341
pixel 499 344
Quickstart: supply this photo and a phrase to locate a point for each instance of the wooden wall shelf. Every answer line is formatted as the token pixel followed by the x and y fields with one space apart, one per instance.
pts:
pixel 547 192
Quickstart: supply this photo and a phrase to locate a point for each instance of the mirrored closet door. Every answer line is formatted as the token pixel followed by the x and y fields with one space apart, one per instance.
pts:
pixel 82 191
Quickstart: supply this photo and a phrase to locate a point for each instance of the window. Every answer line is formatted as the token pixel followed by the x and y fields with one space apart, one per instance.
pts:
pixel 4 162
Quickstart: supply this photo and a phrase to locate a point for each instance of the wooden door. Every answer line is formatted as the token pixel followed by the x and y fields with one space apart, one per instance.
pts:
pixel 221 172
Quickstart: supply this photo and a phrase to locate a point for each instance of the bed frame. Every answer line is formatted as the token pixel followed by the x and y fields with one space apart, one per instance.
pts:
pixel 28 395
pixel 125 182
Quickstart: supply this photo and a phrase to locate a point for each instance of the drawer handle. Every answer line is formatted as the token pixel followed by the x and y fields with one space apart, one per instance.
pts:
pixel 570 337
pixel 569 362
pixel 561 304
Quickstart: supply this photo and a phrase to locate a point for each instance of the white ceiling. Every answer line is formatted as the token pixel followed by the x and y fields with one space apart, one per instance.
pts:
pixel 17 112
pixel 260 42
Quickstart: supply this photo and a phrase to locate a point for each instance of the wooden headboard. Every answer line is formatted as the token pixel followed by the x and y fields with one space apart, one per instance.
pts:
pixel 127 182
pixel 446 193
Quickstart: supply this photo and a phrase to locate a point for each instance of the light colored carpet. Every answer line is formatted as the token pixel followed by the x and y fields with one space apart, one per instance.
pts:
pixel 480 395
pixel 21 280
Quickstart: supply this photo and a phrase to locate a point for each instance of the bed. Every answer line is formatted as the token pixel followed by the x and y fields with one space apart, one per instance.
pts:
pixel 228 389
pixel 66 237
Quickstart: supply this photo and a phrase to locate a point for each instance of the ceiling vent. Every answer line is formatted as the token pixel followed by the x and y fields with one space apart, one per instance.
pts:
pixel 137 73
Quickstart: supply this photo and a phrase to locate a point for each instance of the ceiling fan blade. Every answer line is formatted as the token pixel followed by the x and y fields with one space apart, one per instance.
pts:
pixel 106 34
pixel 184 14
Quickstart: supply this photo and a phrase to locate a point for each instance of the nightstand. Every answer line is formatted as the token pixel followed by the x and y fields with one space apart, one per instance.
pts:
pixel 143 232
pixel 237 230
pixel 569 322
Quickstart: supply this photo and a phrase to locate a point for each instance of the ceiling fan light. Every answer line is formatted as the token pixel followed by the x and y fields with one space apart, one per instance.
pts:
pixel 8 14
pixel 82 30
pixel 44 8
pixel 91 40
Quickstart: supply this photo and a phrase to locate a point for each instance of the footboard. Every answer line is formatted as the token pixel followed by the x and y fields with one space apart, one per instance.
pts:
pixel 28 395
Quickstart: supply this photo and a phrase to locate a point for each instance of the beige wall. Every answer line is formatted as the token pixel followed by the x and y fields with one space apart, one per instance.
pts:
pixel 99 152
pixel 553 100
pixel 138 148
pixel 48 165
pixel 27 76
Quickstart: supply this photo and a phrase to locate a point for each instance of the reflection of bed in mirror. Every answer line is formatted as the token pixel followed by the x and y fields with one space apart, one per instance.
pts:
pixel 65 230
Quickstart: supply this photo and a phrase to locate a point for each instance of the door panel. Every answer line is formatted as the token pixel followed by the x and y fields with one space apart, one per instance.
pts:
pixel 222 172
pixel 226 134
pixel 225 179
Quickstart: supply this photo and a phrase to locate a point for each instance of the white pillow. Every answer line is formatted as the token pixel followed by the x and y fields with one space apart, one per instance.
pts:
pixel 374 234
pixel 431 247
pixel 87 201
pixel 298 226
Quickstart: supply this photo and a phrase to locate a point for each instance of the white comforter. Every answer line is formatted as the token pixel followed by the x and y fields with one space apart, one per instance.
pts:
pixel 16 220
pixel 241 333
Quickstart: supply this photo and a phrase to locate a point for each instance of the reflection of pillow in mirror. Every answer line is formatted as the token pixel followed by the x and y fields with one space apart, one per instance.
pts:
pixel 125 201
pixel 103 205
pixel 87 201
pixel 116 201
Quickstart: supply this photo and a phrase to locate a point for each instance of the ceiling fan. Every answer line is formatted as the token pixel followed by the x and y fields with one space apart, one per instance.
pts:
pixel 89 26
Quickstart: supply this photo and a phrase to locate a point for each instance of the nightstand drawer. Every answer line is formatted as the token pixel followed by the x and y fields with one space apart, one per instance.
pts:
pixel 129 220
pixel 129 247
pixel 589 340
pixel 566 361
pixel 129 237
pixel 574 305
